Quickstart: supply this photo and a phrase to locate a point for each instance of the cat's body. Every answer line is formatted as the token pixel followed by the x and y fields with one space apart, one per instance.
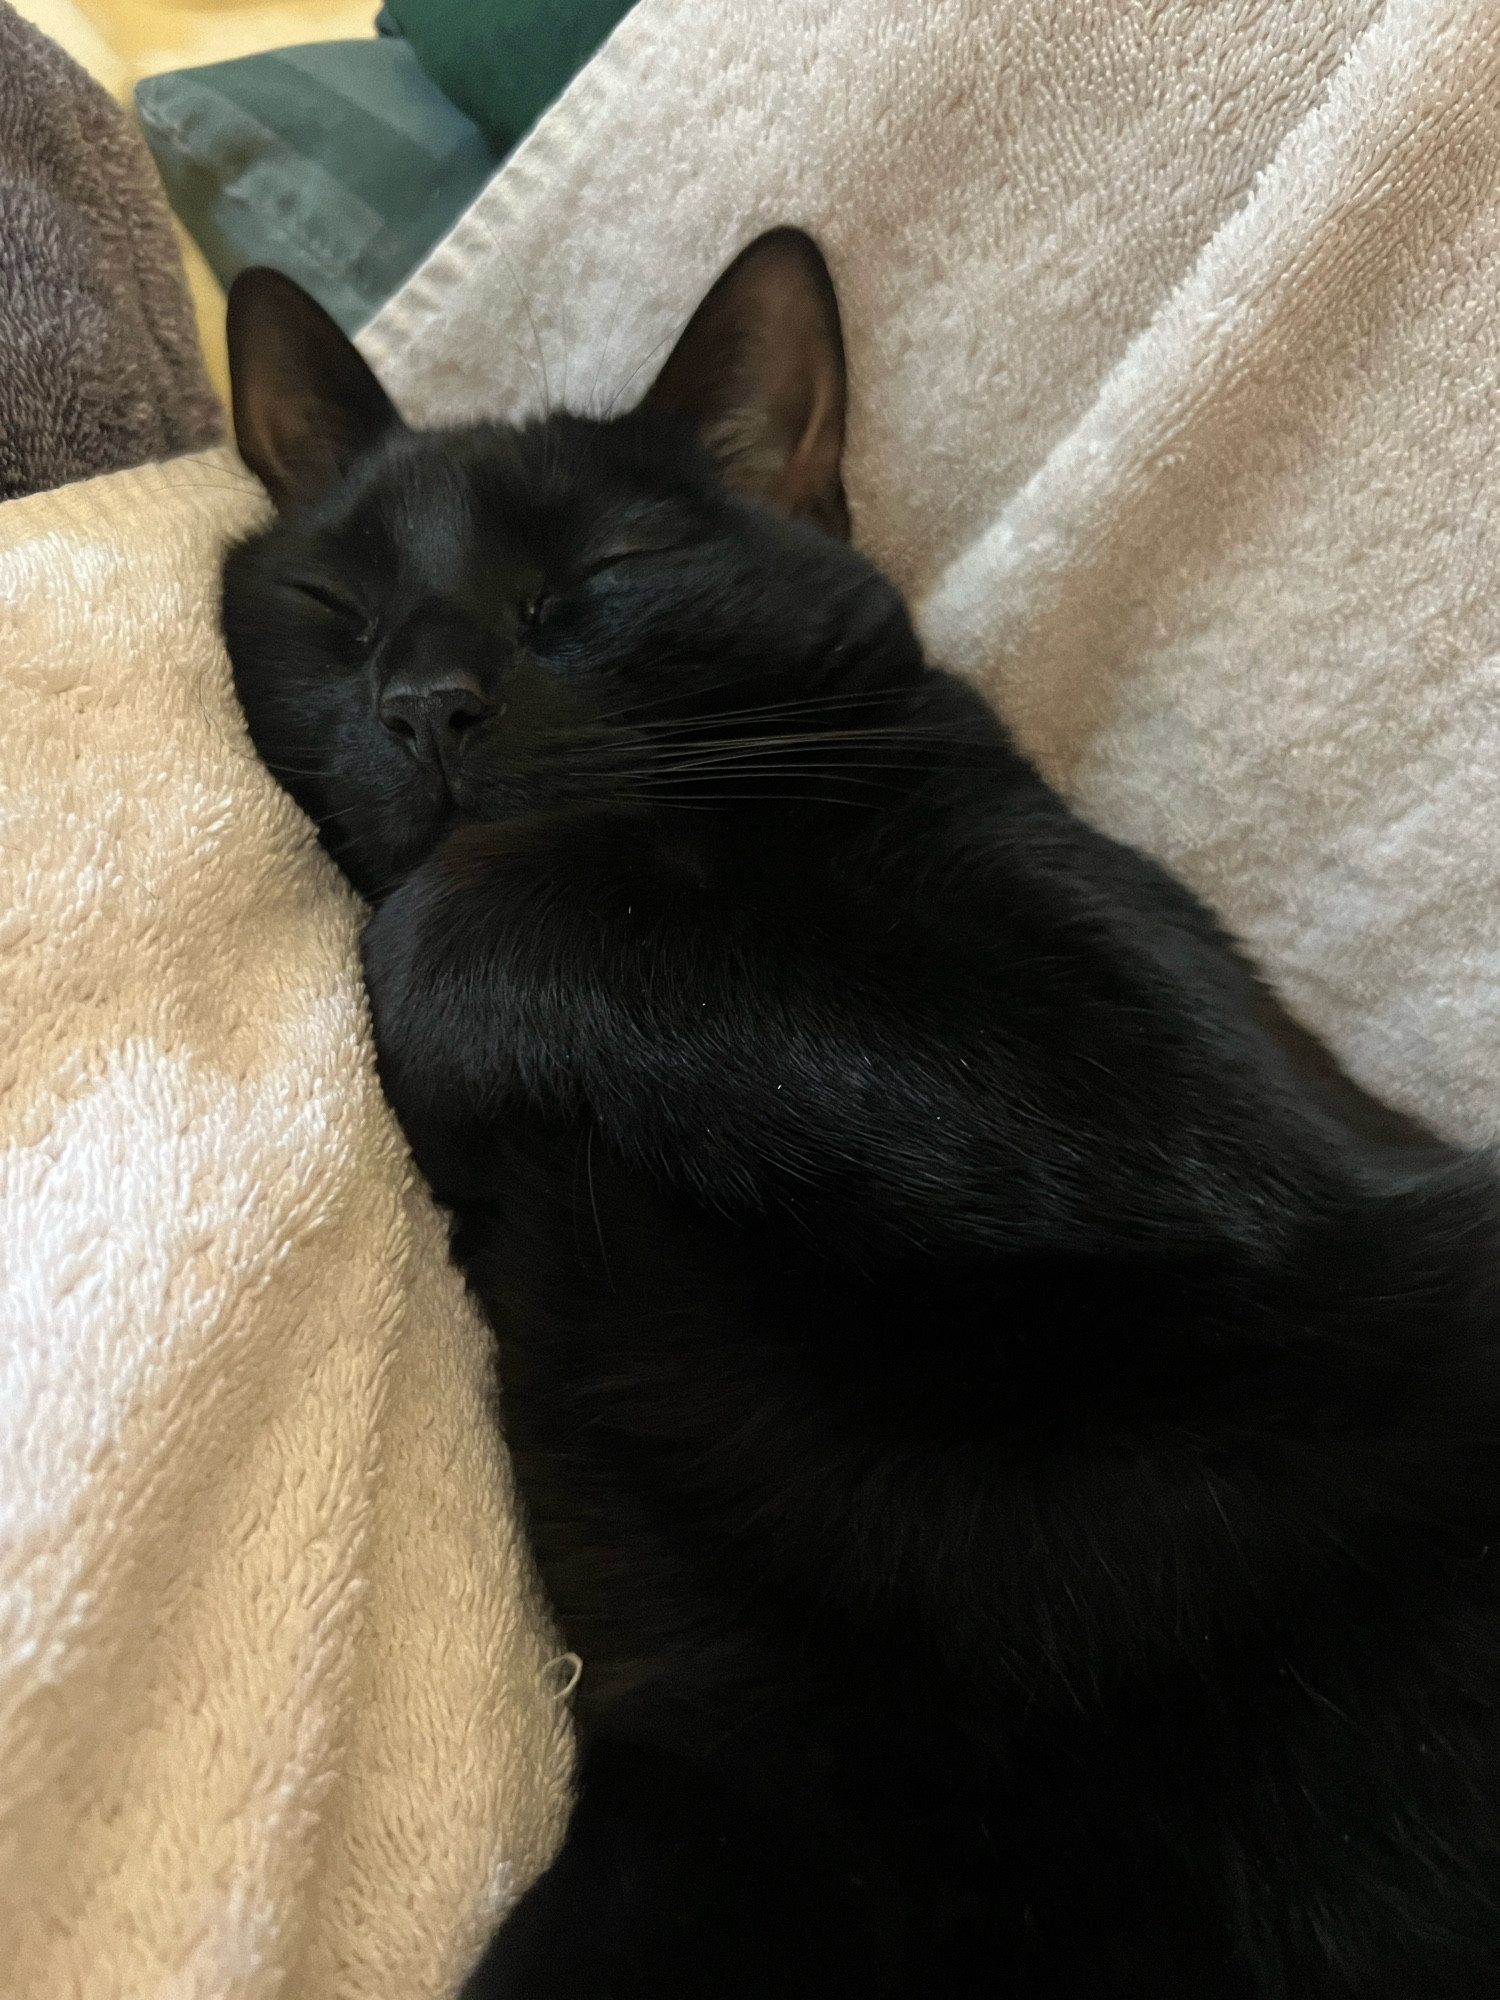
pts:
pixel 1013 1434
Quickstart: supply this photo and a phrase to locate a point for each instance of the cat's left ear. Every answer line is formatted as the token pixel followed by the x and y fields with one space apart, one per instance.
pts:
pixel 759 371
pixel 305 402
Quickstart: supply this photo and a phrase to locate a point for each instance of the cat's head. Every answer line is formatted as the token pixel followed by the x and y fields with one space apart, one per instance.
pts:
pixel 449 626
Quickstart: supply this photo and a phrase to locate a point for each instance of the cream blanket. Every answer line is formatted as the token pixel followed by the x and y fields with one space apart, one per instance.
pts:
pixel 274 1710
pixel 1175 342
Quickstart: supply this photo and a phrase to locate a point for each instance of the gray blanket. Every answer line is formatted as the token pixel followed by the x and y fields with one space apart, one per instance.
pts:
pixel 100 366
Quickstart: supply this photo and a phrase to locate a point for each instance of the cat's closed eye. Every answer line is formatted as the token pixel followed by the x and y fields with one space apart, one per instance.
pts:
pixel 354 616
pixel 538 605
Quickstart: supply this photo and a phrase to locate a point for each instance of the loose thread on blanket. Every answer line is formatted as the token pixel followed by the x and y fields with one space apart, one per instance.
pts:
pixel 562 1675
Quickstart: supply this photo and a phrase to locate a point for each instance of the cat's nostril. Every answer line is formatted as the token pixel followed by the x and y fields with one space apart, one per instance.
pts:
pixel 429 720
pixel 464 714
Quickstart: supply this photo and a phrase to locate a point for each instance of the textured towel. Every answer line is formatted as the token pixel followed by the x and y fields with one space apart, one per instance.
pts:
pixel 99 363
pixel 1174 336
pixel 274 1714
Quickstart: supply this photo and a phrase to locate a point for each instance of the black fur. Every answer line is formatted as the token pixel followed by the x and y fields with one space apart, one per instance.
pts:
pixel 1013 1433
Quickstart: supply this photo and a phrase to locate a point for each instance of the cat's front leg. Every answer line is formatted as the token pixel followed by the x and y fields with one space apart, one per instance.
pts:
pixel 495 973
pixel 609 967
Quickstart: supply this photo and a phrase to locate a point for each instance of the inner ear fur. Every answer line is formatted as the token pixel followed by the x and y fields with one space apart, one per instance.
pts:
pixel 305 401
pixel 759 372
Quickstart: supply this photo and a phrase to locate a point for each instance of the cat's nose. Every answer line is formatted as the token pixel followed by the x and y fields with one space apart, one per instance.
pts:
pixel 430 717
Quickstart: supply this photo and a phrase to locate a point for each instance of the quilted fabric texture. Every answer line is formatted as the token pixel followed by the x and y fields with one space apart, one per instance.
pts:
pixel 339 163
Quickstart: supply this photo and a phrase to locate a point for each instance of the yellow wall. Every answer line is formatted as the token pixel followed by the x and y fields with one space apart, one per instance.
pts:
pixel 120 41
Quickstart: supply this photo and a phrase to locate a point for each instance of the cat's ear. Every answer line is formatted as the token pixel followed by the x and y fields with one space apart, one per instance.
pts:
pixel 305 402
pixel 759 371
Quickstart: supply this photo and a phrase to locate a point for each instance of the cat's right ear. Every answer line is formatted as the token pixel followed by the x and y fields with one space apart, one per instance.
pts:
pixel 759 373
pixel 305 402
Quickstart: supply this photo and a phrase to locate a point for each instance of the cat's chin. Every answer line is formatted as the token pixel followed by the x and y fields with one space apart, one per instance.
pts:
pixel 376 865
pixel 483 797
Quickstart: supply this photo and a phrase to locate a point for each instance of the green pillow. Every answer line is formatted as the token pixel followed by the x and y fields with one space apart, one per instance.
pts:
pixel 503 61
pixel 341 163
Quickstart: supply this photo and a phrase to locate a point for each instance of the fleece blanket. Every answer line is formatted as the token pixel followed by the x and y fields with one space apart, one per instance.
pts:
pixel 276 1714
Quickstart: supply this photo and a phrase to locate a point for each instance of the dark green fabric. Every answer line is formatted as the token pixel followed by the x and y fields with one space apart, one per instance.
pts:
pixel 503 61
pixel 341 163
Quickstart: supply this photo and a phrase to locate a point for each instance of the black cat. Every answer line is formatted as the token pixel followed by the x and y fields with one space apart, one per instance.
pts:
pixel 1012 1431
